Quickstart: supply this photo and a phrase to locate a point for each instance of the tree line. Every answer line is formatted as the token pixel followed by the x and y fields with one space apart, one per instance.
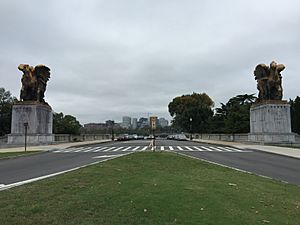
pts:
pixel 195 113
pixel 191 113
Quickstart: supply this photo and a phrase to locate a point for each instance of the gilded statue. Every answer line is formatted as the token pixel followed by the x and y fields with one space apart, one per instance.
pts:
pixel 269 81
pixel 34 82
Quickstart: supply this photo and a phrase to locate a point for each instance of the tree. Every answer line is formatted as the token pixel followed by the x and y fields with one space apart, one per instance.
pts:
pixel 295 114
pixel 65 124
pixel 234 116
pixel 6 103
pixel 191 112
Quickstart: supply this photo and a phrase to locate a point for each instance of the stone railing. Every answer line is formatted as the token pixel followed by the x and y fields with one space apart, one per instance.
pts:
pixel 243 138
pixel 3 139
pixel 223 137
pixel 61 138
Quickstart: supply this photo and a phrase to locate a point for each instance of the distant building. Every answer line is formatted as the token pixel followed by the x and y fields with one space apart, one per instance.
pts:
pixel 143 122
pixel 134 123
pixel 126 122
pixel 163 122
pixel 95 126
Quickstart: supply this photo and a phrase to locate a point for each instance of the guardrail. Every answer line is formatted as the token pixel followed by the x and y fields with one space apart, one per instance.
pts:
pixel 223 137
pixel 61 138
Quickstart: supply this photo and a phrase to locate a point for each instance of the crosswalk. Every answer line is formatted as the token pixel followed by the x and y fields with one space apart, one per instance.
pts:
pixel 198 148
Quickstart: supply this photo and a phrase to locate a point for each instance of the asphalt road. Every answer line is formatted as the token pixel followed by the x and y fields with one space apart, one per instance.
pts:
pixel 46 163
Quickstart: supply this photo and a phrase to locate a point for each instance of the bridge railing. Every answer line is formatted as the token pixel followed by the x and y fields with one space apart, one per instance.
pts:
pixel 61 138
pixel 223 137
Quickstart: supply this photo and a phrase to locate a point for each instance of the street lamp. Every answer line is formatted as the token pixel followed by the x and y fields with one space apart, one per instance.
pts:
pixel 191 120
pixel 25 128
pixel 112 130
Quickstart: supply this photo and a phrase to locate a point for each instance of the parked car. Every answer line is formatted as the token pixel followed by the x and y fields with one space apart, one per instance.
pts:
pixel 178 137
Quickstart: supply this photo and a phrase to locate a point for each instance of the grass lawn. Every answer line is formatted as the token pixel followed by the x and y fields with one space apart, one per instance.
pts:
pixel 13 154
pixel 152 188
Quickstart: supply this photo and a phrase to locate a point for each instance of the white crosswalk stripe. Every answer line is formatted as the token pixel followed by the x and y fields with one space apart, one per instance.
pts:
pixel 188 148
pixel 199 148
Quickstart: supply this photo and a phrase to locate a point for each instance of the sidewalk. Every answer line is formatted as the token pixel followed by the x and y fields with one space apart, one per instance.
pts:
pixel 291 152
pixel 49 147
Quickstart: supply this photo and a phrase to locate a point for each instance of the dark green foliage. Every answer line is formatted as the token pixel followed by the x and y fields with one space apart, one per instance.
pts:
pixel 295 114
pixel 6 102
pixel 234 116
pixel 197 107
pixel 65 124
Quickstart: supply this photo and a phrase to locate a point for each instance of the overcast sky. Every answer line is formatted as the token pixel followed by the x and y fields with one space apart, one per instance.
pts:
pixel 132 57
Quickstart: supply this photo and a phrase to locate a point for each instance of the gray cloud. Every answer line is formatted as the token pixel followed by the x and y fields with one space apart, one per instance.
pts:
pixel 114 58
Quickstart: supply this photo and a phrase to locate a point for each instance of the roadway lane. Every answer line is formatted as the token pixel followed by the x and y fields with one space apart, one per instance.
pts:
pixel 46 163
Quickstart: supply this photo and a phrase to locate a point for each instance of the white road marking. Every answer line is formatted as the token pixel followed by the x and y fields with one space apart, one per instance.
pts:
pixel 187 147
pixel 125 149
pixel 199 149
pixel 143 149
pixel 136 148
pixel 100 149
pixel 111 148
pixel 8 186
pixel 117 149
pixel 207 149
pixel 233 149
pixel 78 149
pixel 106 156
pixel 216 149
pixel 224 149
pixel 181 149
pixel 162 148
pixel 171 148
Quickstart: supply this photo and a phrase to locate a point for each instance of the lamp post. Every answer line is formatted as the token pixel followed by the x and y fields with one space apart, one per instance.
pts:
pixel 191 120
pixel 112 130
pixel 25 128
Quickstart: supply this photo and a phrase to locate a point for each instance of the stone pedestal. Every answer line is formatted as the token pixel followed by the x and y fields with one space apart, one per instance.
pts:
pixel 39 118
pixel 270 122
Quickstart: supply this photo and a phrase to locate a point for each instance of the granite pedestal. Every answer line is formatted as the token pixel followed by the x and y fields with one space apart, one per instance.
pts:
pixel 39 120
pixel 270 122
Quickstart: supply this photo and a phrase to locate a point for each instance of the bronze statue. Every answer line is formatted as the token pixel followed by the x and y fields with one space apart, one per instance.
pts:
pixel 269 82
pixel 34 82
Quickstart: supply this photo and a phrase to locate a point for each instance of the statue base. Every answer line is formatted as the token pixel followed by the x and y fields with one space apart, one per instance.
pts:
pixel 270 122
pixel 34 118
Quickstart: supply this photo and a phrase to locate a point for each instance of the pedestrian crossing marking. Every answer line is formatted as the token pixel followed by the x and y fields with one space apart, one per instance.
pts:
pixel 111 148
pixel 136 148
pixel 198 148
pixel 207 149
pixel 125 149
pixel 189 148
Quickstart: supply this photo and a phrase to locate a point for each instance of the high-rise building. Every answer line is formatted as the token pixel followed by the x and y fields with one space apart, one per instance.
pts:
pixel 126 122
pixel 163 122
pixel 134 123
pixel 143 122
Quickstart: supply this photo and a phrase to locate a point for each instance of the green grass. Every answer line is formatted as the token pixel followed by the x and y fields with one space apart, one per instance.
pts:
pixel 152 188
pixel 14 154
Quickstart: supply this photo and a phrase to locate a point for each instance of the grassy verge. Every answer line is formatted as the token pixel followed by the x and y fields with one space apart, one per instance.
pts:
pixel 147 188
pixel 14 154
